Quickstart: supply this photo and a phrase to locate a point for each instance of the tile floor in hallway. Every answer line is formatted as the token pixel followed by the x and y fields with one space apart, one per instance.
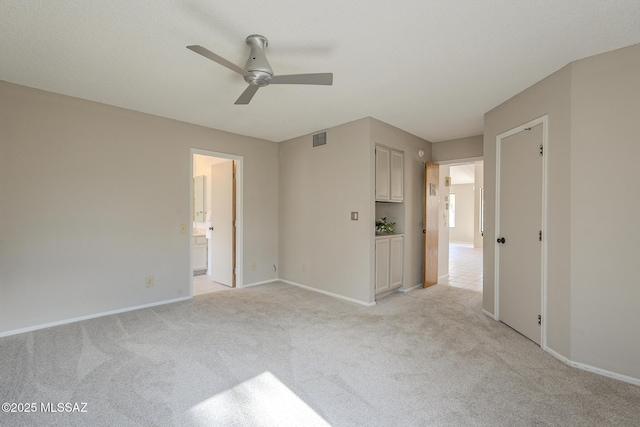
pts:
pixel 203 284
pixel 465 267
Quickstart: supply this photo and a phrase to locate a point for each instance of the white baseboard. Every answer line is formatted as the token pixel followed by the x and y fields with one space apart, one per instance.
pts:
pixel 264 282
pixel 89 316
pixel 486 313
pixel 593 369
pixel 583 366
pixel 331 294
pixel 404 291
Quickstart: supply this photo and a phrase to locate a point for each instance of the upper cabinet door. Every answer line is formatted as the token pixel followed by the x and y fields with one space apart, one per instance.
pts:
pixel 397 176
pixel 389 175
pixel 383 174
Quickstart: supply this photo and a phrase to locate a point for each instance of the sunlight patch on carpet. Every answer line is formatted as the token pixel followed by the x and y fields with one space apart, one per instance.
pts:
pixel 260 401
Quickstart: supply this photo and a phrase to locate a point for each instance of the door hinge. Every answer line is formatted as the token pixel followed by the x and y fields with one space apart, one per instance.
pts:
pixel 541 149
pixel 540 235
pixel 539 319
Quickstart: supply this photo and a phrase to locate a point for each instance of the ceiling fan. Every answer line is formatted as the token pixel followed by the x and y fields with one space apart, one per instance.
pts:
pixel 257 71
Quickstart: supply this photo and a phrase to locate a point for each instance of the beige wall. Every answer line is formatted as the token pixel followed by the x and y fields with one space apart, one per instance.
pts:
pixel 605 211
pixel 478 240
pixel 413 204
pixel 320 246
pixel 592 226
pixel 458 149
pixel 202 167
pixel 463 231
pixel 92 198
pixel 443 224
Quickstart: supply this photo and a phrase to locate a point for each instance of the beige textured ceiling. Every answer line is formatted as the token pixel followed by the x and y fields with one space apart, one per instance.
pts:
pixel 430 67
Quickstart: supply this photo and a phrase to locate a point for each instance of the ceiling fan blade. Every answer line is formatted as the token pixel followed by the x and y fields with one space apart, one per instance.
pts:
pixel 303 79
pixel 219 59
pixel 247 95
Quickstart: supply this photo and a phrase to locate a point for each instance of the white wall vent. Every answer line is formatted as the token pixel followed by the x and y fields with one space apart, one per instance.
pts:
pixel 319 139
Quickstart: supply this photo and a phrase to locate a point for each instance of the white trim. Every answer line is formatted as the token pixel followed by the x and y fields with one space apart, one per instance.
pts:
pixel 456 162
pixel 486 313
pixel 264 282
pixel 331 294
pixel 89 316
pixel 404 291
pixel 593 369
pixel 544 120
pixel 239 212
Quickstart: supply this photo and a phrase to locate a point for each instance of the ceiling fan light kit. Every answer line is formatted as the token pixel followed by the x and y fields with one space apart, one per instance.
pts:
pixel 257 72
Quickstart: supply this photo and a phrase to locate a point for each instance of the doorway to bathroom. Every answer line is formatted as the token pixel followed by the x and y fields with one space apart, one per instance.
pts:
pixel 216 200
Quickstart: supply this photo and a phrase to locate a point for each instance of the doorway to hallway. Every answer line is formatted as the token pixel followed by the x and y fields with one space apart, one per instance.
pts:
pixel 465 267
pixel 462 224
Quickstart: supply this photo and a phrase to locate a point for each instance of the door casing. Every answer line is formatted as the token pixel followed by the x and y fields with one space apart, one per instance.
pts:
pixel 239 213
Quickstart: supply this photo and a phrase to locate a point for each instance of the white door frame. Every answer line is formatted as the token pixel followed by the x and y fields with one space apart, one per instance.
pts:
pixel 544 120
pixel 239 212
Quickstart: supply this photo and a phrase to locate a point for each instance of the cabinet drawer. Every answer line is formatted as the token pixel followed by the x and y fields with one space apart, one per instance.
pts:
pixel 200 240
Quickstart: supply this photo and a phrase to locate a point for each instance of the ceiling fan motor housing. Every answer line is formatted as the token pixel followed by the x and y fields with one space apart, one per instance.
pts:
pixel 257 63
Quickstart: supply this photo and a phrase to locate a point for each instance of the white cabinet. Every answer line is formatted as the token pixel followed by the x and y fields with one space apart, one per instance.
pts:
pixel 397 176
pixel 389 261
pixel 199 253
pixel 389 175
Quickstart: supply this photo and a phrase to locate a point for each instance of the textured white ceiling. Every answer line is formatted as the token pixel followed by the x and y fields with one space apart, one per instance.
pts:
pixel 430 67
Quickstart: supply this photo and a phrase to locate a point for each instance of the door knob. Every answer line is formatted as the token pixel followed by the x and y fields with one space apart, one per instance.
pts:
pixel 501 240
pixel 210 228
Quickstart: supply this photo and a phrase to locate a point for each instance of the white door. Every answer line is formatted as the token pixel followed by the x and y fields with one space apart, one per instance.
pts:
pixel 396 261
pixel 383 171
pixel 520 225
pixel 382 264
pixel 222 227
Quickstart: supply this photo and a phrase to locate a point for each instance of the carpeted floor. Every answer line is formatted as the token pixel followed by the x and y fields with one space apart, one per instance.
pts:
pixel 277 355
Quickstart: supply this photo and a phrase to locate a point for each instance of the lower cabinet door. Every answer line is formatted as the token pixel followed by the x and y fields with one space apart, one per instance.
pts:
pixel 382 265
pixel 199 257
pixel 396 256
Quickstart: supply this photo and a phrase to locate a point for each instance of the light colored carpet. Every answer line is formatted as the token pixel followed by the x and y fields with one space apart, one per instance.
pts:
pixel 277 355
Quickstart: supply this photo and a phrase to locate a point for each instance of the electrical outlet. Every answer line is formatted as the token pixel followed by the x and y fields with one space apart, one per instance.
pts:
pixel 183 228
pixel 148 281
pixel 253 266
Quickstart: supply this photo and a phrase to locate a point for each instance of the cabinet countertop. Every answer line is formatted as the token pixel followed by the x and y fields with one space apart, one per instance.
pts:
pixel 389 235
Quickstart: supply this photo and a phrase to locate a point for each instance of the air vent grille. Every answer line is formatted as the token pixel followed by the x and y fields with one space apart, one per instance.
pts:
pixel 319 139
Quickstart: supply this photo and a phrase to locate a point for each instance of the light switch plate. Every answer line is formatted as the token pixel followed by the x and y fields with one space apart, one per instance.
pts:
pixel 354 216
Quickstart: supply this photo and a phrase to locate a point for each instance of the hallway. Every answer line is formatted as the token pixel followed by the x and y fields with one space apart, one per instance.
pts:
pixel 465 267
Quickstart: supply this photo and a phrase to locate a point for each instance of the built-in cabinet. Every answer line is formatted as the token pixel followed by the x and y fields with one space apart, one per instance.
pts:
pixel 389 175
pixel 389 261
pixel 199 253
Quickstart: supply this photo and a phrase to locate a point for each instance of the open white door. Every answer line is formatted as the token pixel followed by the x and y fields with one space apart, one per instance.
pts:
pixel 222 243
